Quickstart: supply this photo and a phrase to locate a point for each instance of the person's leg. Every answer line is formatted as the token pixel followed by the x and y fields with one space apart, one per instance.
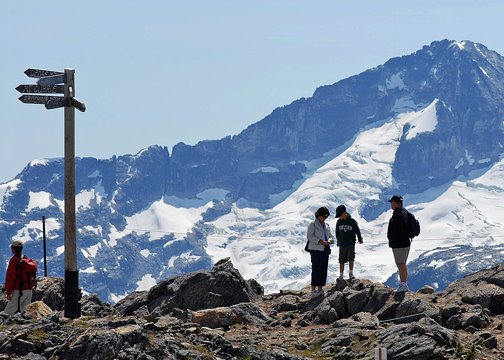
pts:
pixel 351 259
pixel 12 305
pixel 324 266
pixel 401 257
pixel 342 259
pixel 26 298
pixel 403 272
pixel 316 280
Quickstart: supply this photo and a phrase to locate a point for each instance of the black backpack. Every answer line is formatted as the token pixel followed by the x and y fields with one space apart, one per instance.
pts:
pixel 413 226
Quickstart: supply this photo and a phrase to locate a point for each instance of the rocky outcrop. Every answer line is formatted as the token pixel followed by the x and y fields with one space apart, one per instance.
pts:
pixel 222 286
pixel 349 321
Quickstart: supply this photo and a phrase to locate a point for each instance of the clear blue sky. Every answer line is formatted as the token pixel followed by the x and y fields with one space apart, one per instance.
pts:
pixel 161 72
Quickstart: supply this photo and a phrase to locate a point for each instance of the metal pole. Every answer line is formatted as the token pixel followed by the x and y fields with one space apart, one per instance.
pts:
pixel 44 244
pixel 72 308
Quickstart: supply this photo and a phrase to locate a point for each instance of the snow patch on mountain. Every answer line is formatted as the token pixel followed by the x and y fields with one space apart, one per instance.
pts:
pixel 424 121
pixel 38 200
pixel 162 218
pixel 146 282
pixel 7 189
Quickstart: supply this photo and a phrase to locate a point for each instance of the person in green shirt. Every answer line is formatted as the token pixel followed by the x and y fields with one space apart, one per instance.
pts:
pixel 347 230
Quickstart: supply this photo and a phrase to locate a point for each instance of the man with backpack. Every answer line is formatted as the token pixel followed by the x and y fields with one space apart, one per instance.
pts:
pixel 19 279
pixel 402 228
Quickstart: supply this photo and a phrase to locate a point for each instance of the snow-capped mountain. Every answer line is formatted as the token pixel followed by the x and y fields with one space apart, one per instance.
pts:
pixel 429 126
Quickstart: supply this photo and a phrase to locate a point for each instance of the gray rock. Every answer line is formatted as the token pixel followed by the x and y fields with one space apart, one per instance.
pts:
pixel 249 313
pixel 378 297
pixel 449 311
pixel 337 302
pixel 487 339
pixel 222 286
pixel 356 301
pixel 426 289
pixel 50 290
pixel 131 303
pixel 286 303
pixel 415 341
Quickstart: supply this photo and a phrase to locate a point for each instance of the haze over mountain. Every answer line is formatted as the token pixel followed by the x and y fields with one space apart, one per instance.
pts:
pixel 429 126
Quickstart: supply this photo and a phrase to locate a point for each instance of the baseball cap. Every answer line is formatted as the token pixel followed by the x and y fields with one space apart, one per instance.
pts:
pixel 17 243
pixel 396 198
pixel 340 210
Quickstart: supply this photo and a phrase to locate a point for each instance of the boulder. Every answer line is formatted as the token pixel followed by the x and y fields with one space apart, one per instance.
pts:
pixel 222 286
pixel 37 310
pixel 426 289
pixel 51 291
pixel 215 317
pixel 244 313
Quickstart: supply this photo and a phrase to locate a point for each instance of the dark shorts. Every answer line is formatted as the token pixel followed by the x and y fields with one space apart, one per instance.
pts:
pixel 346 254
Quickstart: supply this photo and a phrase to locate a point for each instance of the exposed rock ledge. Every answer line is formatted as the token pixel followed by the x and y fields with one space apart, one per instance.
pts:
pixel 218 315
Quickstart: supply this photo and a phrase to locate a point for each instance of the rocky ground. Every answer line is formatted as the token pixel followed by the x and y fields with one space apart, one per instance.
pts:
pixel 218 315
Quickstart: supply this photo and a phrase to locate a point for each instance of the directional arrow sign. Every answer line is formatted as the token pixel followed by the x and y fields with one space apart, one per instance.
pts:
pixel 54 89
pixel 78 105
pixel 56 102
pixel 35 99
pixel 52 80
pixel 37 73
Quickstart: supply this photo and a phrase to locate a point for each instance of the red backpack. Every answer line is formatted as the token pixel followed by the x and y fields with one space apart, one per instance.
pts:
pixel 27 272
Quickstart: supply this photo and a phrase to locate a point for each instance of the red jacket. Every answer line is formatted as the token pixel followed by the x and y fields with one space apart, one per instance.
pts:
pixel 12 281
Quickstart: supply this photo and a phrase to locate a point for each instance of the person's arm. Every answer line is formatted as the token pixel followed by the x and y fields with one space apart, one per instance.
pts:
pixel 357 231
pixel 310 233
pixel 10 278
pixel 330 236
pixel 338 235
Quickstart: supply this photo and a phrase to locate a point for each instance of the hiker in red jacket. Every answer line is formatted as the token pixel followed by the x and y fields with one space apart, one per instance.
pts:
pixel 13 284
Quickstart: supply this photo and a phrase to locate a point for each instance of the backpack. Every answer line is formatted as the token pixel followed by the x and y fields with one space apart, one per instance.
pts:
pixel 27 272
pixel 413 226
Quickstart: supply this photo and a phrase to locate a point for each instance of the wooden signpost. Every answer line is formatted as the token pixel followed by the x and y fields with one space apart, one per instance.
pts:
pixel 55 82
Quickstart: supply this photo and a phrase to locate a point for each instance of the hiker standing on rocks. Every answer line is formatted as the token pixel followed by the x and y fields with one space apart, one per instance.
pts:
pixel 319 239
pixel 17 291
pixel 347 230
pixel 399 240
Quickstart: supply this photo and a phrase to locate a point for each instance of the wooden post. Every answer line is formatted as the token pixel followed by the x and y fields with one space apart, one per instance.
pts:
pixel 72 307
pixel 44 245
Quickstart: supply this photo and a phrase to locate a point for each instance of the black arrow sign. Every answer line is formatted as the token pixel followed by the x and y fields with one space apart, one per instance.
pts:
pixel 57 102
pixel 35 99
pixel 36 89
pixel 52 80
pixel 78 105
pixel 37 73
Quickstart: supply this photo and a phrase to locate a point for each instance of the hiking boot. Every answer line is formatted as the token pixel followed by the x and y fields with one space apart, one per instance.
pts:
pixel 351 277
pixel 340 278
pixel 402 288
pixel 316 293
